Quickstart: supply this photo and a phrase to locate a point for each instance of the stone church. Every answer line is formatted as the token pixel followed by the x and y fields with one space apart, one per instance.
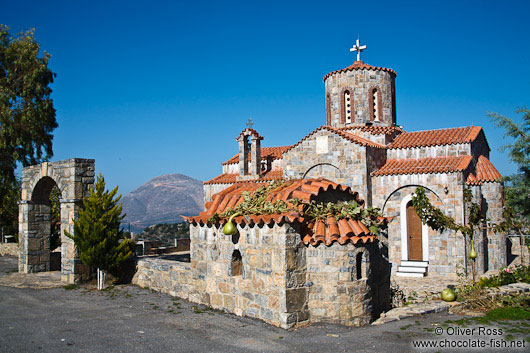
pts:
pixel 361 146
pixel 290 271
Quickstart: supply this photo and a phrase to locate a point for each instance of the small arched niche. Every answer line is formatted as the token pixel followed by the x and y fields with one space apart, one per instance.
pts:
pixel 236 264
pixel 359 272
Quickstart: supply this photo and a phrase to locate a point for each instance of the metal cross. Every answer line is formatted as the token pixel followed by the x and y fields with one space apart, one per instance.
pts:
pixel 249 123
pixel 358 48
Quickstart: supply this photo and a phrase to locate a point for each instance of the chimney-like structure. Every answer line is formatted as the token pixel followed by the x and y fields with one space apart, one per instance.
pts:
pixel 249 137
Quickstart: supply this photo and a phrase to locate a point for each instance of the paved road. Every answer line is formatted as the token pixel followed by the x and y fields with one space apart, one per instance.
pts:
pixel 132 319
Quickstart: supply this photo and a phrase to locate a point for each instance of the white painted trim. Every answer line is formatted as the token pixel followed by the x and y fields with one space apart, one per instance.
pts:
pixel 404 234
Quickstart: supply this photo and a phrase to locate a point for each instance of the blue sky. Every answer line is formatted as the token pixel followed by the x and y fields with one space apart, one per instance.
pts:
pixel 151 87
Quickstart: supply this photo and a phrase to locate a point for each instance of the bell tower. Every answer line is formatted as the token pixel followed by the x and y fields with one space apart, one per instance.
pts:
pixel 360 94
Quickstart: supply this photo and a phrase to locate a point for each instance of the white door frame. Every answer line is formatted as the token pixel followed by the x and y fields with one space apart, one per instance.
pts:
pixel 404 232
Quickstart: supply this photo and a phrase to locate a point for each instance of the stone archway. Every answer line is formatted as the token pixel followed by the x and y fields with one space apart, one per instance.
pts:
pixel 75 179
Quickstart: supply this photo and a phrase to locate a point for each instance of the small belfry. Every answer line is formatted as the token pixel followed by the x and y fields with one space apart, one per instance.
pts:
pixel 360 94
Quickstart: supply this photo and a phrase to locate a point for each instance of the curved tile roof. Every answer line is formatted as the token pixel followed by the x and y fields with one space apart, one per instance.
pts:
pixel 485 172
pixel 348 136
pixel 374 130
pixel 230 178
pixel 428 165
pixel 323 231
pixel 359 65
pixel 436 137
pixel 266 152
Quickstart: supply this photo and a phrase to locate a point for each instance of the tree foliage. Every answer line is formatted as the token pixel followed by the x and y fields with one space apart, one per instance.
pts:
pixel 97 233
pixel 517 187
pixel 55 218
pixel 9 197
pixel 27 115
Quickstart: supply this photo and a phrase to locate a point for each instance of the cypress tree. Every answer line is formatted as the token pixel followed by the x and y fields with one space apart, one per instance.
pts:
pixel 97 233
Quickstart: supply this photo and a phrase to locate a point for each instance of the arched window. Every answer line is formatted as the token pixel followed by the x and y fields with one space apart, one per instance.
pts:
pixel 375 104
pixel 346 106
pixel 328 109
pixel 359 265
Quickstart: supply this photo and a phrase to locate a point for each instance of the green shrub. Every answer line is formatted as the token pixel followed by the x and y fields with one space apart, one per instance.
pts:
pixel 510 274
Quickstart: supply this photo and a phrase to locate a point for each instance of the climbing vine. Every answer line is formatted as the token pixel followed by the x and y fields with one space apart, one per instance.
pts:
pixel 256 203
pixel 437 220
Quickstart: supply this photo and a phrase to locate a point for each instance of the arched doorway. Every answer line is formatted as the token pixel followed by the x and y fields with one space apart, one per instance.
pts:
pixel 45 223
pixel 51 197
pixel 414 234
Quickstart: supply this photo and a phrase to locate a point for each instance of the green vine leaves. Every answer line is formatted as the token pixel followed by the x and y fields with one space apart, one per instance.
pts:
pixel 257 204
pixel 437 220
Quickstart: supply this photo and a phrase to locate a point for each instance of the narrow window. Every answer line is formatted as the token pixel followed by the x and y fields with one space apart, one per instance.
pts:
pixel 236 265
pixel 375 104
pixel 358 265
pixel 347 107
pixel 328 109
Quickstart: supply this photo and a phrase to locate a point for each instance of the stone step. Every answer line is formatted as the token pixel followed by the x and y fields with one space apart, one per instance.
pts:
pixel 415 263
pixel 410 274
pixel 412 269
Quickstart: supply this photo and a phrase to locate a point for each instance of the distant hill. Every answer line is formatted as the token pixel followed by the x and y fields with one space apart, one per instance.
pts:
pixel 162 200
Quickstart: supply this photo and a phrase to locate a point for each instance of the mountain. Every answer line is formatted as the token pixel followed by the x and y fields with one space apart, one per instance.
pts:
pixel 162 200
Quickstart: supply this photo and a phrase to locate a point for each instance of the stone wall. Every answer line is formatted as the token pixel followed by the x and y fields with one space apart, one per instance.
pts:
pixel 347 284
pixel 493 195
pixel 460 149
pixel 279 280
pixel 326 154
pixel 259 290
pixel 360 83
pixel 170 277
pixel 9 249
pixel 446 250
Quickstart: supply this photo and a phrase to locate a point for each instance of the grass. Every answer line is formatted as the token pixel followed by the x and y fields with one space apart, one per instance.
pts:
pixel 70 286
pixel 508 313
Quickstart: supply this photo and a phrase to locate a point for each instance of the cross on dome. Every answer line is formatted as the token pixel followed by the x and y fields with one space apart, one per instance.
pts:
pixel 358 48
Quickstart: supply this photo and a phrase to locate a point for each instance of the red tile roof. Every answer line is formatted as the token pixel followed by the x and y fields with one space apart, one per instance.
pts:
pixel 424 165
pixel 328 231
pixel 359 65
pixel 348 136
pixel 229 178
pixel 436 137
pixel 266 152
pixel 375 130
pixel 485 172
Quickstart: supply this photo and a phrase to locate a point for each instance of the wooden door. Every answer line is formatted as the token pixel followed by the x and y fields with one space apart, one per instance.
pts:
pixel 414 234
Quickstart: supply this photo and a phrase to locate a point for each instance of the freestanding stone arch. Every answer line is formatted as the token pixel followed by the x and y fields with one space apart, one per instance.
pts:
pixel 75 179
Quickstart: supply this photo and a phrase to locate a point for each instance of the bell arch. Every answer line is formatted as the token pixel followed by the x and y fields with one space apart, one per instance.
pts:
pixel 74 179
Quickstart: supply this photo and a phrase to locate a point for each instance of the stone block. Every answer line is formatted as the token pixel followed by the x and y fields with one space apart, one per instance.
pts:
pixel 295 299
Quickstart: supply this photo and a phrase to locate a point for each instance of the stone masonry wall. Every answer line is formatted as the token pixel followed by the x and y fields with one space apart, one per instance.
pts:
pixel 282 282
pixel 325 154
pixel 461 149
pixel 446 250
pixel 493 195
pixel 361 82
pixel 9 249
pixel 339 291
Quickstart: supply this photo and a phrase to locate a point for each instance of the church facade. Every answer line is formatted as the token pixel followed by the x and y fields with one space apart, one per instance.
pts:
pixel 361 146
